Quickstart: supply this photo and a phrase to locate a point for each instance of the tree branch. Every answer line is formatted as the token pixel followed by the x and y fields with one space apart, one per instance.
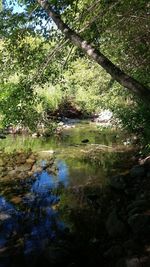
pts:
pixel 116 73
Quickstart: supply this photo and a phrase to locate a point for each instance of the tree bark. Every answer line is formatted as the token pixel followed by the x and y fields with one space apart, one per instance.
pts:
pixel 120 76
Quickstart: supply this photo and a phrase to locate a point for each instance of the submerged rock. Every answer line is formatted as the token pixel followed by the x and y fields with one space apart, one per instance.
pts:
pixel 11 173
pixel 22 164
pixel 16 199
pixel 30 161
pixel 24 167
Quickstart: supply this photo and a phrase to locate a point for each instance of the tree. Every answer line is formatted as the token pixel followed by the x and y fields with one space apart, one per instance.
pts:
pixel 35 53
pixel 120 76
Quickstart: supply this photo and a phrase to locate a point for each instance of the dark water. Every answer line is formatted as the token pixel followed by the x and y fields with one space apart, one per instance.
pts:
pixel 28 228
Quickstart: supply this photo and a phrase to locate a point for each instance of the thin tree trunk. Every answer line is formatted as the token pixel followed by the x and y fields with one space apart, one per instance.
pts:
pixel 116 73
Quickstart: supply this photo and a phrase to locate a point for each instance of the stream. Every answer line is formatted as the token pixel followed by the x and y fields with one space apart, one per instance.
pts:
pixel 30 220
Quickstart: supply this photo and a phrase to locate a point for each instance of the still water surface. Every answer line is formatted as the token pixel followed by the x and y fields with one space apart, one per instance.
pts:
pixel 29 227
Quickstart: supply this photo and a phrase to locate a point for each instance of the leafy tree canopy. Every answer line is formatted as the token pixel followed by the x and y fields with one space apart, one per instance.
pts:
pixel 33 52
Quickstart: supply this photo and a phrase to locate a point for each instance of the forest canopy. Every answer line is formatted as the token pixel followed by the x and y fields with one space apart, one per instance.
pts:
pixel 43 67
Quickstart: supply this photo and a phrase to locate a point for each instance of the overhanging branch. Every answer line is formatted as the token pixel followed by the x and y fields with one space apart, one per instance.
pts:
pixel 120 76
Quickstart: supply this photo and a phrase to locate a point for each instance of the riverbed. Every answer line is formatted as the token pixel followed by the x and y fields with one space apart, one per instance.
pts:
pixel 34 211
pixel 84 151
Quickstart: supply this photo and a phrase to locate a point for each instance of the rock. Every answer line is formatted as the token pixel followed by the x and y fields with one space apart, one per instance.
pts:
pixel 2 169
pixel 11 173
pixel 145 162
pixel 114 226
pixel 45 164
pixel 33 156
pixel 6 178
pixel 137 207
pixel 137 203
pixel 52 170
pixel 137 171
pixel 34 135
pixel 127 142
pixel 1 162
pixel 9 168
pixel 104 116
pixel 21 160
pixel 38 169
pixel 30 161
pixel 22 175
pixel 30 173
pixel 134 262
pixel 115 251
pixel 145 261
pixel 24 167
pixel 140 224
pixel 85 141
pixel 117 182
pixel 4 216
pixel 60 123
pixel 16 199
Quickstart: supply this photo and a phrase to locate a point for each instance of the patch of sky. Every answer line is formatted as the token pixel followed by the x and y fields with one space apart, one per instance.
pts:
pixel 42 25
pixel 45 181
pixel 15 6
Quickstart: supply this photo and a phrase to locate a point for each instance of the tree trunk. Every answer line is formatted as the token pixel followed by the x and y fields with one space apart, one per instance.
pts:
pixel 116 73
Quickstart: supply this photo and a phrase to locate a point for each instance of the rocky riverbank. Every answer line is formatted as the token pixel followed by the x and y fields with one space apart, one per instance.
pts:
pixel 58 123
pixel 109 226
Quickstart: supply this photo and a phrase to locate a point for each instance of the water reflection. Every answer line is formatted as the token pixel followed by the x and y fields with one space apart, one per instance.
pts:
pixel 8 221
pixel 36 223
pixel 69 137
pixel 46 181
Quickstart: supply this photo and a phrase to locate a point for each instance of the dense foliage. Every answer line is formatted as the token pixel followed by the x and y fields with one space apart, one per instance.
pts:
pixel 41 70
